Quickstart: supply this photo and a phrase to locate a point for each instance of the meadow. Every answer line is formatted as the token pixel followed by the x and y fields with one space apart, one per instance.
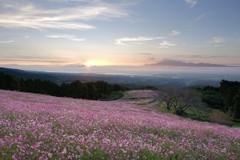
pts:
pixel 34 126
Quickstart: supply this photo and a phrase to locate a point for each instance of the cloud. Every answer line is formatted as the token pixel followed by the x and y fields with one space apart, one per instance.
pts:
pixel 122 41
pixel 166 44
pixel 200 17
pixel 30 59
pixel 175 33
pixel 14 15
pixel 65 36
pixel 26 37
pixel 74 65
pixel 217 40
pixel 4 42
pixel 192 3
pixel 64 1
pixel 202 56
pixel 151 58
pixel 147 54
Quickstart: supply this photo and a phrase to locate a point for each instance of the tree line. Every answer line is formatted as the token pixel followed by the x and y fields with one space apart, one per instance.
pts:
pixel 76 89
pixel 231 97
pixel 225 98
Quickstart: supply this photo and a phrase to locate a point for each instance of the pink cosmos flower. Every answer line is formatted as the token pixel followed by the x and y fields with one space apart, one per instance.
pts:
pixel 49 155
pixel 64 151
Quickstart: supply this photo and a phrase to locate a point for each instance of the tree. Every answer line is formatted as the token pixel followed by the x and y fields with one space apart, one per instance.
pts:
pixel 212 97
pixel 3 82
pixel 231 96
pixel 169 96
pixel 179 99
pixel 187 98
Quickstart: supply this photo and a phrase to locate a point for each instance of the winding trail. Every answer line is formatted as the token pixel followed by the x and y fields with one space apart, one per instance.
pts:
pixel 147 99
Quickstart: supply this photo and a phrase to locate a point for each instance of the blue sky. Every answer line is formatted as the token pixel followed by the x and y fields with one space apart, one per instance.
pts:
pixel 118 32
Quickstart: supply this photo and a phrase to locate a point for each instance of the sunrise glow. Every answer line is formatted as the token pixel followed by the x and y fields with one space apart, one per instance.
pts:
pixel 89 64
pixel 103 33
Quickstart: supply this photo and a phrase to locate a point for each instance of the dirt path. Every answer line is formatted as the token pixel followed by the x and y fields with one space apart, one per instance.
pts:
pixel 147 99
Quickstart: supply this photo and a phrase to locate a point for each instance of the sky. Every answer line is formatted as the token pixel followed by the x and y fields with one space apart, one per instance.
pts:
pixel 118 32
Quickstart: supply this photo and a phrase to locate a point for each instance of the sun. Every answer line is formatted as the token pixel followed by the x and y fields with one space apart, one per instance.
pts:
pixel 89 64
pixel 96 62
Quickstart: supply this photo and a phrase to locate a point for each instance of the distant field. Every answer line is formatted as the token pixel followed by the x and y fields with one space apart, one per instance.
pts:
pixel 34 126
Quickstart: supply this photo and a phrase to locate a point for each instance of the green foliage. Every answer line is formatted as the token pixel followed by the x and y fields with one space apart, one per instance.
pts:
pixel 164 108
pixel 198 113
pixel 181 112
pixel 9 82
pixel 145 88
pixel 199 117
pixel 113 96
pixel 94 154
pixel 231 97
pixel 89 90
pixel 212 97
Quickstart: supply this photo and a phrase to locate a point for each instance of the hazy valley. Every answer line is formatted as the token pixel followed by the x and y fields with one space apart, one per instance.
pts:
pixel 136 76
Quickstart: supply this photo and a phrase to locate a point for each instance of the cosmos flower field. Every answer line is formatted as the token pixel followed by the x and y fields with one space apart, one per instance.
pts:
pixel 34 126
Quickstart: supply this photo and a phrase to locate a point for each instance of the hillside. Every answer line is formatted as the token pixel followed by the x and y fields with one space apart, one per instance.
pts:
pixel 44 127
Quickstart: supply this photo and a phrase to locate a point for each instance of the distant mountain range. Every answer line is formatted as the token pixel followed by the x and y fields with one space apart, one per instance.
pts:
pixel 176 63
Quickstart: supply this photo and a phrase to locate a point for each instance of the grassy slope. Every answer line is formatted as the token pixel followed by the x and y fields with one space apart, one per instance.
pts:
pixel 44 127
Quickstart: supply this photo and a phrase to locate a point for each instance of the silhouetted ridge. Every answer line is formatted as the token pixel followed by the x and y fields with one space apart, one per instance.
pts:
pixel 176 63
